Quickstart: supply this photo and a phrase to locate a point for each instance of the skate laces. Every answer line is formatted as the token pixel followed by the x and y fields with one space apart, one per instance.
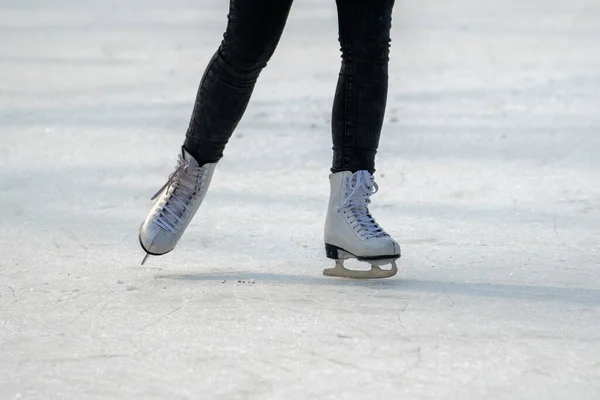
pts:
pixel 362 186
pixel 185 181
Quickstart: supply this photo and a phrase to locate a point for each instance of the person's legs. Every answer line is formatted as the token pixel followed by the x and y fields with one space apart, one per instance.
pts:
pixel 358 111
pixel 253 32
pixel 361 95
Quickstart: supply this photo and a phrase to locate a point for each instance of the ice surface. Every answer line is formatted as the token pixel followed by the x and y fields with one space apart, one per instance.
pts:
pixel 489 173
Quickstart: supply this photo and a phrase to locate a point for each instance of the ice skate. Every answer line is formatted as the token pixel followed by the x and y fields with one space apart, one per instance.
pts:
pixel 351 231
pixel 176 204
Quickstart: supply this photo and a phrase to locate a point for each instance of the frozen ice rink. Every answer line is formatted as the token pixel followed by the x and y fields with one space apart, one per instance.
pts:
pixel 489 174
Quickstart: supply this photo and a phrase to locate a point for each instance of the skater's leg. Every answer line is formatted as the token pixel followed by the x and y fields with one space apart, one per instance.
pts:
pixel 253 32
pixel 361 95
pixel 358 111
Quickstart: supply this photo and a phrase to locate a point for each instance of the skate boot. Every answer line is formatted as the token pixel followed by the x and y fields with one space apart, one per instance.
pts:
pixel 351 231
pixel 176 204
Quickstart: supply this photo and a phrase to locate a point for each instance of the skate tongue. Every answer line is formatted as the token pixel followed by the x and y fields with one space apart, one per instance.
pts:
pixel 354 179
pixel 185 164
pixel 184 182
pixel 362 186
pixel 184 189
pixel 189 158
pixel 362 180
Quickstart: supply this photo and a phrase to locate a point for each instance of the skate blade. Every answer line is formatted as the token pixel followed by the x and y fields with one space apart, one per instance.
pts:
pixel 145 258
pixel 375 272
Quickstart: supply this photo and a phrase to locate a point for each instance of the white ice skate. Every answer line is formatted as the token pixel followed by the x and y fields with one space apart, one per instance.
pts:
pixel 351 231
pixel 176 204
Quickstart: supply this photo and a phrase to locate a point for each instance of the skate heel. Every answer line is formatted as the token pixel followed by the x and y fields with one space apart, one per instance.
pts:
pixel 333 252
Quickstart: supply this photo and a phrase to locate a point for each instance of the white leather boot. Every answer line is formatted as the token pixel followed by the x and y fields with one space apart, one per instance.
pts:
pixel 351 231
pixel 176 204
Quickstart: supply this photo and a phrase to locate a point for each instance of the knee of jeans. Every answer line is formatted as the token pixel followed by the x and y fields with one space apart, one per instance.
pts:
pixel 369 50
pixel 246 59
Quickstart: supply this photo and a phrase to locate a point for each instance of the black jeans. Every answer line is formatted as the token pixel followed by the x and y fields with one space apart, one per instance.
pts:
pixel 253 32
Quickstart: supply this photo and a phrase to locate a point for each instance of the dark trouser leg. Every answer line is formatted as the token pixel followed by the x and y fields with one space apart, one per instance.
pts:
pixel 253 32
pixel 361 95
